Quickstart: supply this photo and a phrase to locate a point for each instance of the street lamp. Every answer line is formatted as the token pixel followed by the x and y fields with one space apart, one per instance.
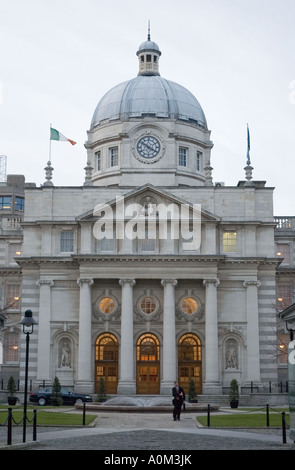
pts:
pixel 28 323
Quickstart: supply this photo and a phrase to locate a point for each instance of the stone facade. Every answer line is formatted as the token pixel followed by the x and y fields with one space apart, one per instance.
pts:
pixel 117 288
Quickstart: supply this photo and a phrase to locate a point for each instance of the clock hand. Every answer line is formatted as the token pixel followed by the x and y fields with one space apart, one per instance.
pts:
pixel 150 148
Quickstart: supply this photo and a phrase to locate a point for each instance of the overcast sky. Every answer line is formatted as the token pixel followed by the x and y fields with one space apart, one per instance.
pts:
pixel 59 57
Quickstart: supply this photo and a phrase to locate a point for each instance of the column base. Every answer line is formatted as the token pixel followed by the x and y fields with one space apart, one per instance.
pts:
pixel 126 387
pixel 84 386
pixel 212 388
pixel 166 388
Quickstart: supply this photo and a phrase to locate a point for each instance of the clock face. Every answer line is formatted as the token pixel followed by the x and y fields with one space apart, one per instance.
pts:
pixel 148 147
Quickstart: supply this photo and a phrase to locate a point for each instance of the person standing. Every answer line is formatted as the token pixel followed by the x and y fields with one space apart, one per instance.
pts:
pixel 178 399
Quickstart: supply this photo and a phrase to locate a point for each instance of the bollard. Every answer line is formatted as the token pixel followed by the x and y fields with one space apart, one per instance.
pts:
pixel 84 410
pixel 284 427
pixel 35 425
pixel 267 415
pixel 208 416
pixel 9 426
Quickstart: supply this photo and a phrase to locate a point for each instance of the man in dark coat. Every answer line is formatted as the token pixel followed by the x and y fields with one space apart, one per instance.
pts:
pixel 178 399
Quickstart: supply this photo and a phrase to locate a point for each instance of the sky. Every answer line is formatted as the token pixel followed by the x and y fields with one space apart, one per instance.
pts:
pixel 58 58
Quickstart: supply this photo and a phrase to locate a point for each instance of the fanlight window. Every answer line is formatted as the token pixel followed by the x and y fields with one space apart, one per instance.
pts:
pixel 148 348
pixel 189 348
pixel 106 348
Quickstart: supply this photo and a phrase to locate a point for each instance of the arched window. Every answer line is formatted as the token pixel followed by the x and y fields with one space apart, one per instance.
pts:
pixel 189 348
pixel 190 361
pixel 148 348
pixel 106 362
pixel 148 364
pixel 106 348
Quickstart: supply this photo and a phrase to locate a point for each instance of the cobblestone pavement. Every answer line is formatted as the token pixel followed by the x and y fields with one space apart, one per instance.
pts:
pixel 145 432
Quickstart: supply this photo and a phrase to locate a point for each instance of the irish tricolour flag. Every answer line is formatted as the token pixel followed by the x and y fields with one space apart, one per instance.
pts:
pixel 56 135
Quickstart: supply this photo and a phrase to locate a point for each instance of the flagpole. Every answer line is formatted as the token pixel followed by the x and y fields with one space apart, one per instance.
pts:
pixel 50 145
pixel 248 146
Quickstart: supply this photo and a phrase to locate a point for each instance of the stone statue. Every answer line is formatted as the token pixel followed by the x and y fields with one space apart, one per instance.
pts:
pixel 231 359
pixel 65 356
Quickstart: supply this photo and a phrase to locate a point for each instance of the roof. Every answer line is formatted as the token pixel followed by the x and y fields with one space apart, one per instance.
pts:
pixel 288 314
pixel 149 95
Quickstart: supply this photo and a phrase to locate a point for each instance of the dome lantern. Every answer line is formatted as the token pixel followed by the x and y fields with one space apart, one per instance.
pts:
pixel 148 56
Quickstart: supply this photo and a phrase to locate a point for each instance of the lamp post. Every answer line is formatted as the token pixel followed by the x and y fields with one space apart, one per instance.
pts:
pixel 28 323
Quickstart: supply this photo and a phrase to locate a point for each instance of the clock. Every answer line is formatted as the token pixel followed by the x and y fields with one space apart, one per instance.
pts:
pixel 148 147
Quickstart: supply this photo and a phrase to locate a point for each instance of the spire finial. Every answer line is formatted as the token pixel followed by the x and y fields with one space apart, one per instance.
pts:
pixel 248 168
pixel 149 31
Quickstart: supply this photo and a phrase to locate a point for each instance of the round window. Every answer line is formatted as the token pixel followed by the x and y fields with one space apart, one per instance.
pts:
pixel 107 305
pixel 148 305
pixel 189 305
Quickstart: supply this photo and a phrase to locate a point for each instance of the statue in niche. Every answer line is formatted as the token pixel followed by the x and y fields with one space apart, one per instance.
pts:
pixel 231 356
pixel 65 355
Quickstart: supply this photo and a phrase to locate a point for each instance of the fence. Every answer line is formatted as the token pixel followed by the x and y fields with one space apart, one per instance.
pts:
pixel 10 421
pixel 3 384
pixel 267 420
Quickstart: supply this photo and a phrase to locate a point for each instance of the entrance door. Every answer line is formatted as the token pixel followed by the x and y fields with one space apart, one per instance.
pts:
pixel 148 365
pixel 106 362
pixel 190 361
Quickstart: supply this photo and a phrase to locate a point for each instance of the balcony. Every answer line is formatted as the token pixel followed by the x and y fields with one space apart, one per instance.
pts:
pixel 285 223
pixel 10 224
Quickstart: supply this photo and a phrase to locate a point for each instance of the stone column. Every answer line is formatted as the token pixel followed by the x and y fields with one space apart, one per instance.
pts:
pixel 253 356
pixel 84 382
pixel 44 331
pixel 212 381
pixel 127 383
pixel 169 339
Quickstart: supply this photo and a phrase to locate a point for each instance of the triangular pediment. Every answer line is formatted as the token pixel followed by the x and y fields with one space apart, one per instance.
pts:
pixel 148 199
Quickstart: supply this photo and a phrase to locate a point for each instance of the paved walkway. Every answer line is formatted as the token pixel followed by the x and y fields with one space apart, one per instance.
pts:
pixel 114 431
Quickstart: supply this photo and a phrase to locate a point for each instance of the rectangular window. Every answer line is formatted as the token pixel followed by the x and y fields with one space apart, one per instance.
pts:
pixel 67 241
pixel 114 156
pixel 283 340
pixel 14 250
pixel 182 156
pixel 11 348
pixel 284 297
pixel 148 244
pixel 199 161
pixel 13 297
pixel 98 160
pixel 19 204
pixel 148 58
pixel 5 202
pixel 229 242
pixel 283 251
pixel 107 244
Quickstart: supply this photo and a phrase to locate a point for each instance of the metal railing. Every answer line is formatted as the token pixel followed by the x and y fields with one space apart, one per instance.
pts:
pixel 285 223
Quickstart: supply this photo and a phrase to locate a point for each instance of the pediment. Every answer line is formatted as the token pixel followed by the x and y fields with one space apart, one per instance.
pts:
pixel 148 200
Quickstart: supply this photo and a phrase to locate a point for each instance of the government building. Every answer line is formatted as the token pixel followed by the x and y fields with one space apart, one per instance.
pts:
pixel 150 271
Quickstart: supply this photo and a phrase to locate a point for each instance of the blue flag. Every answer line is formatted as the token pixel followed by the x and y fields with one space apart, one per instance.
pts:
pixel 248 145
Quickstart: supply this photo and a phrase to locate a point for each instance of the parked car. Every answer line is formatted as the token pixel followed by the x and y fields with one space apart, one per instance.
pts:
pixel 44 396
